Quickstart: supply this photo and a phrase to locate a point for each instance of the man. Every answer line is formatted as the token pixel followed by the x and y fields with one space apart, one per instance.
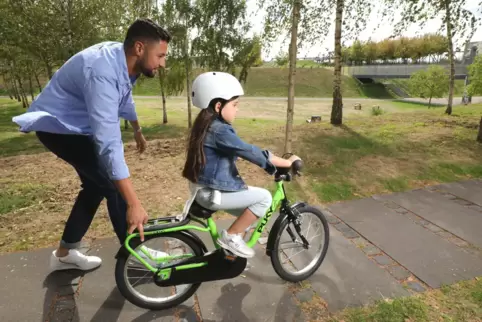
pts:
pixel 76 117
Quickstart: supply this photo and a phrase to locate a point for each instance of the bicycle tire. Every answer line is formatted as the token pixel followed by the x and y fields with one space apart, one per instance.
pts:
pixel 275 258
pixel 133 298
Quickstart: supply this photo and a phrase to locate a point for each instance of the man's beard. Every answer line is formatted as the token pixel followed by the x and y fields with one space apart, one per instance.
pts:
pixel 140 67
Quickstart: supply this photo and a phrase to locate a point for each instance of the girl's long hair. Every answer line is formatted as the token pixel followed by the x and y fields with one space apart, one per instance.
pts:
pixel 195 159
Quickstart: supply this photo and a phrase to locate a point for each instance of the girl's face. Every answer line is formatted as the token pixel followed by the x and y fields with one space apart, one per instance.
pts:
pixel 229 110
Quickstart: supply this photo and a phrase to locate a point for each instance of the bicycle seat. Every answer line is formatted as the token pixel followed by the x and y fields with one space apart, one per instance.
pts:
pixel 199 211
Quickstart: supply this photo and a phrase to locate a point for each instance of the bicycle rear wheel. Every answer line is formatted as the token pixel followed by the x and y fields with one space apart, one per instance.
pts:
pixel 290 255
pixel 136 283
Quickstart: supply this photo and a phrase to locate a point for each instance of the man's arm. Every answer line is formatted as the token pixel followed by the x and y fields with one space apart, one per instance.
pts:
pixel 102 100
pixel 128 112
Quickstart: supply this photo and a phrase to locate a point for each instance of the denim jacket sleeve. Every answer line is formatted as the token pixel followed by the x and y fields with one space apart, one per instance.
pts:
pixel 102 100
pixel 227 140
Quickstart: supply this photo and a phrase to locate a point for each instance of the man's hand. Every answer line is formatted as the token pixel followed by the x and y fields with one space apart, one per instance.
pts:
pixel 136 218
pixel 140 141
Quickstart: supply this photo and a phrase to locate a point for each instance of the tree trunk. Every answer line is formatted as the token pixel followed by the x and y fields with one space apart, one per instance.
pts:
pixel 337 107
pixel 38 81
pixel 187 63
pixel 16 92
pixel 31 87
pixel 22 93
pixel 451 57
pixel 291 77
pixel 163 95
pixel 49 69
pixel 429 101
pixel 126 124
pixel 479 135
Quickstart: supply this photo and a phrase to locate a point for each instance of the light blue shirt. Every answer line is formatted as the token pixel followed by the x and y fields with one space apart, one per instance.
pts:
pixel 87 96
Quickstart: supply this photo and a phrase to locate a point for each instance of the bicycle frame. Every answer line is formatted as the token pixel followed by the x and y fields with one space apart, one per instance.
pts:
pixel 209 227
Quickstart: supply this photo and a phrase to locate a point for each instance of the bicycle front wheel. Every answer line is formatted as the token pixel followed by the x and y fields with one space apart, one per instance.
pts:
pixel 291 258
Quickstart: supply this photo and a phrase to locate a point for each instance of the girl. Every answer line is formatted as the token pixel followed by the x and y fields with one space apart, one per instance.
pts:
pixel 212 151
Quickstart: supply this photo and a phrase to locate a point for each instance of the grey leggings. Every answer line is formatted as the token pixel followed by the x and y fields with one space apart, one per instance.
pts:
pixel 258 200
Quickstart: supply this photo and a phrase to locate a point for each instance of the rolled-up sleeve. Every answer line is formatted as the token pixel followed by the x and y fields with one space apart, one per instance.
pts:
pixel 128 111
pixel 102 100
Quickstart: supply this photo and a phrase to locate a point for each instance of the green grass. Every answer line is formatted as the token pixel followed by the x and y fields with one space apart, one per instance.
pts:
pixel 458 302
pixel 391 152
pixel 17 196
pixel 273 82
pixel 311 80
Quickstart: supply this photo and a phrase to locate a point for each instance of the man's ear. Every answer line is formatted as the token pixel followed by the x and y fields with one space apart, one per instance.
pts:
pixel 139 48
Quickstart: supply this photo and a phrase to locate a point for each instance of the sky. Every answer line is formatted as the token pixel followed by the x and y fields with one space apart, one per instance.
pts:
pixel 371 31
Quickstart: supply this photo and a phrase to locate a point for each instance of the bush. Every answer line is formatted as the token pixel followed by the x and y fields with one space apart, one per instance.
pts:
pixel 376 110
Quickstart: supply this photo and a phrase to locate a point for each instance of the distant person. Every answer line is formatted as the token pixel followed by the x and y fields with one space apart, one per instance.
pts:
pixel 77 117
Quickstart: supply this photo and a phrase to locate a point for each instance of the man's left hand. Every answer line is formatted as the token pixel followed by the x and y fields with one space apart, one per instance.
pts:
pixel 141 141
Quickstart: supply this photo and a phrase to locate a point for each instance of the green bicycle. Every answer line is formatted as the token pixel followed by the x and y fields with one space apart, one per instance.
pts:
pixel 189 263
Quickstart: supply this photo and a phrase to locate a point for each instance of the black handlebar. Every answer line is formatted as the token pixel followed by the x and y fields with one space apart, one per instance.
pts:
pixel 284 173
pixel 297 166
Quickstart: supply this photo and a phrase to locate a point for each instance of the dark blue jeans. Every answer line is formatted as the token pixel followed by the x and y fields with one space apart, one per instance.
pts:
pixel 79 152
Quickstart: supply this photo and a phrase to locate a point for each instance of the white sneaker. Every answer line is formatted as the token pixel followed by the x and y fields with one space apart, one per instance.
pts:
pixel 156 254
pixel 235 244
pixel 74 260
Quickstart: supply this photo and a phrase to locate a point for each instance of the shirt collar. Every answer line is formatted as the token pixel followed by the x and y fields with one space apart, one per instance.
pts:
pixel 122 63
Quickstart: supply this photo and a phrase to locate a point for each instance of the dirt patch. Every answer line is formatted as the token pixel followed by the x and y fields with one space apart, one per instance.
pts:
pixel 156 175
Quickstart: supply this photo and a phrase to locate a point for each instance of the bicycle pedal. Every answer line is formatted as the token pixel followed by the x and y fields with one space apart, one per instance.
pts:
pixel 229 255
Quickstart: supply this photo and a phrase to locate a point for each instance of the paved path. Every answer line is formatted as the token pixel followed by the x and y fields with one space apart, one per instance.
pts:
pixel 384 246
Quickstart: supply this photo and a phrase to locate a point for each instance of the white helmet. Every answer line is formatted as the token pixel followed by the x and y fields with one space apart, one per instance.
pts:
pixel 210 85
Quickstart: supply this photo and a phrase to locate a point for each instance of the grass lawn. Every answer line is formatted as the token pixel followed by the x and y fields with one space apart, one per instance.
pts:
pixel 407 146
pixel 457 302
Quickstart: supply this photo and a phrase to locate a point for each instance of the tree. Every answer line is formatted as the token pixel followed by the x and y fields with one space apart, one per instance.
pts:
pixel 221 27
pixel 282 59
pixel 355 19
pixel 178 16
pixel 475 76
pixel 248 56
pixel 430 83
pixel 303 21
pixel 475 85
pixel 456 22
pixel 337 106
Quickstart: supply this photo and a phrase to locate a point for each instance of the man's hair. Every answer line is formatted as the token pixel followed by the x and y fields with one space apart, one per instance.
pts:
pixel 145 30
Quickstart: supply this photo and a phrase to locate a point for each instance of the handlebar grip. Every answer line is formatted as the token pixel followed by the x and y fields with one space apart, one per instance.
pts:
pixel 297 165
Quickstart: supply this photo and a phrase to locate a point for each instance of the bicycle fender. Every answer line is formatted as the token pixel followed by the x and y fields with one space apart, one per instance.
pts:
pixel 196 238
pixel 275 230
pixel 125 253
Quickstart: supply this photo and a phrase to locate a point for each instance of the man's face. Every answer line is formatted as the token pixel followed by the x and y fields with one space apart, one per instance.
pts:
pixel 151 56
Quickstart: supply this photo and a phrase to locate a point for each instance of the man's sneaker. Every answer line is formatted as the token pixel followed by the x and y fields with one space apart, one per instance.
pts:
pixel 74 260
pixel 156 254
pixel 235 244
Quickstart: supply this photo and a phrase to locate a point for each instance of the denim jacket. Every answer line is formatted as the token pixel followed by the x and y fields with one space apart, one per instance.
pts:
pixel 222 147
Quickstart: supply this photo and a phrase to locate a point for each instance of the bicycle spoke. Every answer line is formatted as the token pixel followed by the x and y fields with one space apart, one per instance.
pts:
pixel 309 225
pixel 315 236
pixel 289 258
pixel 294 245
pixel 140 279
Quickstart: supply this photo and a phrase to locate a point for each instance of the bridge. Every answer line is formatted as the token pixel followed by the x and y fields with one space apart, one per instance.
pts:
pixel 397 71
